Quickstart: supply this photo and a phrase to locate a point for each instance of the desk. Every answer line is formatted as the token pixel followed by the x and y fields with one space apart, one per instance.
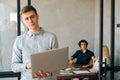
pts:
pixel 9 74
pixel 83 75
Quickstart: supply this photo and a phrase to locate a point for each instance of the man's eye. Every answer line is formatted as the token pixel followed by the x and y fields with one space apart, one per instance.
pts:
pixel 26 18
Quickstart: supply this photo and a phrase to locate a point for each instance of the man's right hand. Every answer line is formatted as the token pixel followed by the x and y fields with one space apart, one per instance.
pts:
pixel 42 74
pixel 71 62
pixel 28 66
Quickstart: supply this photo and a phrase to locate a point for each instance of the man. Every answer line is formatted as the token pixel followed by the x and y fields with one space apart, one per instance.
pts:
pixel 83 57
pixel 34 40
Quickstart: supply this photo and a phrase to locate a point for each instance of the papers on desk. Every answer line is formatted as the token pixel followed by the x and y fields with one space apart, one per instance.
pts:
pixel 73 72
pixel 66 72
pixel 81 71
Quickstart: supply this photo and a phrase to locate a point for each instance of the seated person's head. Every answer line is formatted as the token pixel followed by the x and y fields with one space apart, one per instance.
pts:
pixel 83 44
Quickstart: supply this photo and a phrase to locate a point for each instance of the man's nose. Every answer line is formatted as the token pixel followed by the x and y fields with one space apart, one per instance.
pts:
pixel 30 20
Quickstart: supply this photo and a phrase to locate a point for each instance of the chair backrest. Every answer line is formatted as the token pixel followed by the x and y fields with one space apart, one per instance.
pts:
pixel 106 53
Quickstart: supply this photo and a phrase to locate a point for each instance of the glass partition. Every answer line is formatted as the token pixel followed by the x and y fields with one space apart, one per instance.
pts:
pixel 8 31
pixel 8 22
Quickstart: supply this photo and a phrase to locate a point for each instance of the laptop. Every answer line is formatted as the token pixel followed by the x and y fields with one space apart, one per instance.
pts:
pixel 50 60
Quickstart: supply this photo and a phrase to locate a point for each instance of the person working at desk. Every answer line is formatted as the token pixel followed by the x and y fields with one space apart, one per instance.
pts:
pixel 36 39
pixel 83 56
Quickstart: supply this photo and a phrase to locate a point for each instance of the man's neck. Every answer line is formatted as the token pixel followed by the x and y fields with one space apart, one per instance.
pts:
pixel 35 30
pixel 84 50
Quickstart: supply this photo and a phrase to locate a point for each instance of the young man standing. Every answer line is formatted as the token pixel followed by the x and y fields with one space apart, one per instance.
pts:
pixel 34 40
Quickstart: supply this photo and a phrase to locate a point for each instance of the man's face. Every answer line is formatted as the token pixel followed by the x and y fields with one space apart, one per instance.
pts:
pixel 30 19
pixel 83 45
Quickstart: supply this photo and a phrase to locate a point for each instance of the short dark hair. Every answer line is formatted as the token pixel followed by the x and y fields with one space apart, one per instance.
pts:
pixel 82 41
pixel 28 8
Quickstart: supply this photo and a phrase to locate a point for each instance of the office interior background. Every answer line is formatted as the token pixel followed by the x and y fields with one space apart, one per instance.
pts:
pixel 70 20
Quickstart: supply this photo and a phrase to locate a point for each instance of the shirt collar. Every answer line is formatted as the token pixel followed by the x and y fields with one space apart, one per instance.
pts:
pixel 41 31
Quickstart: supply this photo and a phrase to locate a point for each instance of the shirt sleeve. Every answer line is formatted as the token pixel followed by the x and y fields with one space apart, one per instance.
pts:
pixel 54 42
pixel 75 55
pixel 17 63
pixel 93 54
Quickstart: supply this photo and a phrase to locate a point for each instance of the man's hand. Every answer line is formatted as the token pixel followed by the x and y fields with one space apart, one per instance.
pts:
pixel 41 74
pixel 71 62
pixel 28 66
pixel 84 66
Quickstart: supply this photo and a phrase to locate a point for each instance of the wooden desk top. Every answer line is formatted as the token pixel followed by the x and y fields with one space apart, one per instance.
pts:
pixel 82 75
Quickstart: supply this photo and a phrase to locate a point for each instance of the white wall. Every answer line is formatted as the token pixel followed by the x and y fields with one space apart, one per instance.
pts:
pixel 70 20
pixel 117 33
pixel 117 37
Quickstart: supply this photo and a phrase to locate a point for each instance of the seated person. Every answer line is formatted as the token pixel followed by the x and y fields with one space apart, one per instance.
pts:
pixel 83 57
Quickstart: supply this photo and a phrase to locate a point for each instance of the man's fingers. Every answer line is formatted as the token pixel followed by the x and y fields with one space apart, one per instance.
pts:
pixel 48 74
pixel 36 75
pixel 42 74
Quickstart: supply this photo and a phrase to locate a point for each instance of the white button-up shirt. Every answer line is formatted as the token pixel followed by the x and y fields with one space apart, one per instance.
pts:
pixel 28 44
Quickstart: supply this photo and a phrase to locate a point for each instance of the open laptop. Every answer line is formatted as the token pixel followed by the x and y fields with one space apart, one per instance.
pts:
pixel 50 60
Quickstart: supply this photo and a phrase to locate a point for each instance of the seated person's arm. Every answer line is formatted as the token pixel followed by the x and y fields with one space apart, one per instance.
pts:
pixel 90 64
pixel 87 66
pixel 72 63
